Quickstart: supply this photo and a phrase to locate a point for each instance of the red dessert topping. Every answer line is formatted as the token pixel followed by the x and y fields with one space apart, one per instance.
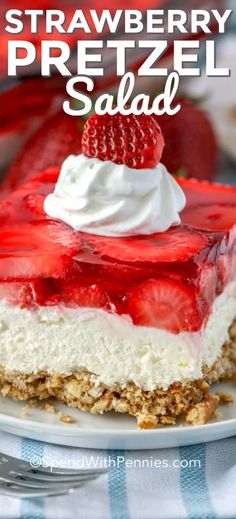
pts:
pixel 167 280
pixel 133 140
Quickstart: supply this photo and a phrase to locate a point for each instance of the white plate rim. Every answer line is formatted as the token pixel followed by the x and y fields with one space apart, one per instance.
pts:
pixel 31 424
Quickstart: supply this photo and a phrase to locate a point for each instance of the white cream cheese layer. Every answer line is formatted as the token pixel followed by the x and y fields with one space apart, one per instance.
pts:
pixel 110 346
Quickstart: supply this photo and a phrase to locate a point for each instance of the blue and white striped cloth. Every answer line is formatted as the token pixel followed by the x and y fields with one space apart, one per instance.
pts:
pixel 204 490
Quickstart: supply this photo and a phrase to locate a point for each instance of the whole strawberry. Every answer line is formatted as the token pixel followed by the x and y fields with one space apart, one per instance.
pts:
pixel 133 140
pixel 25 106
pixel 59 137
pixel 191 147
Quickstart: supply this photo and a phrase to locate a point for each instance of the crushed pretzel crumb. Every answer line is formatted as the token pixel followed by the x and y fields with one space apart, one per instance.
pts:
pixel 67 418
pixel 202 412
pixel 225 397
pixel 24 412
pixel 33 402
pixel 146 421
pixel 49 407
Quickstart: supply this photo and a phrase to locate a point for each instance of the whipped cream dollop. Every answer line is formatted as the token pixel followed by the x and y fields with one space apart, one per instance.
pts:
pixel 114 200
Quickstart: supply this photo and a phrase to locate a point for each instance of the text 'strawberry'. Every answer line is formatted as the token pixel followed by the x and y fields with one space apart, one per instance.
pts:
pixel 133 140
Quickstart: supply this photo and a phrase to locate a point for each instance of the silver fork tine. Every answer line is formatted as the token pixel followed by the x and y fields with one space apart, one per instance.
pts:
pixel 19 479
pixel 23 493
pixel 56 473
pixel 52 474
pixel 24 468
pixel 32 483
pixel 53 481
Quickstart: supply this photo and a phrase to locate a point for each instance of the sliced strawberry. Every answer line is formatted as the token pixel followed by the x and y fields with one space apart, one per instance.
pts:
pixel 133 140
pixel 224 268
pixel 208 283
pixel 47 176
pixel 53 300
pixel 203 192
pixel 115 278
pixel 86 296
pixel 177 244
pixel 227 267
pixel 38 249
pixel 27 201
pixel 24 293
pixel 163 303
pixel 3 215
pixel 210 217
pixel 35 203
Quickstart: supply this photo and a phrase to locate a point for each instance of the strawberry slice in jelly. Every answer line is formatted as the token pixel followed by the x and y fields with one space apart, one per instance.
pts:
pixel 166 280
pixel 164 303
pixel 39 249
pixel 205 193
pixel 27 202
pixel 177 244
pixel 208 283
pixel 35 204
pixel 92 296
pixel 24 293
pixel 211 217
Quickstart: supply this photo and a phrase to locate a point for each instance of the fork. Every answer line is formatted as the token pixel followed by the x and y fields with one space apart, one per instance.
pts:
pixel 19 479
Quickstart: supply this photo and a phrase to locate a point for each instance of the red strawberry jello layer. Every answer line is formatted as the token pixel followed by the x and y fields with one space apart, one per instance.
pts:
pixel 134 324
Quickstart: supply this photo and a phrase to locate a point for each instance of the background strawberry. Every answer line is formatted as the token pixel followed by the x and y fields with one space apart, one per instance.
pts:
pixel 24 108
pixel 59 137
pixel 190 142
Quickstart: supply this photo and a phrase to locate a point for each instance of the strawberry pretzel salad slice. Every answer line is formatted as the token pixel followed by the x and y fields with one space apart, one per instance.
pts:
pixel 118 281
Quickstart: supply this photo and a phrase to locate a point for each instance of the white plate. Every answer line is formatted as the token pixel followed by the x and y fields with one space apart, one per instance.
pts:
pixel 111 431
